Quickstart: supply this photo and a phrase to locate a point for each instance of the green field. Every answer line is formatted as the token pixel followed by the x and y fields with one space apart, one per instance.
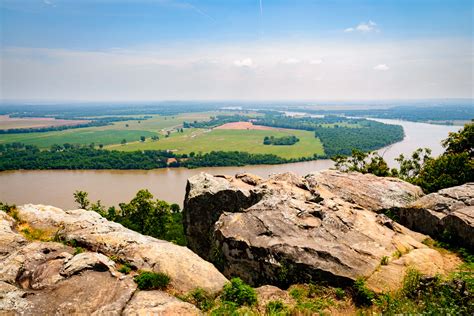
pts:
pixel 106 135
pixel 251 141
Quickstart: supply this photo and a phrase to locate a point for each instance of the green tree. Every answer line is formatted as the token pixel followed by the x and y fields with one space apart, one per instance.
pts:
pixel 142 138
pixel 80 197
pixel 124 141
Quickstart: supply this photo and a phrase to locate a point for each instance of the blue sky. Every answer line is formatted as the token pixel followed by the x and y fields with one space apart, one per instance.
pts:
pixel 294 49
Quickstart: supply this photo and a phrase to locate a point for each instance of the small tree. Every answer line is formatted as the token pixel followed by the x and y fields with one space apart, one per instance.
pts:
pixel 124 141
pixel 80 197
pixel 142 138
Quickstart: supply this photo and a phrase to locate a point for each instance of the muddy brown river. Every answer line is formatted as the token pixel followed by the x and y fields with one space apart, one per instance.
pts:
pixel 56 187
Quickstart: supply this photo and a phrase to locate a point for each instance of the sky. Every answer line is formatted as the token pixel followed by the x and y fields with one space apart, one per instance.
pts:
pixel 146 50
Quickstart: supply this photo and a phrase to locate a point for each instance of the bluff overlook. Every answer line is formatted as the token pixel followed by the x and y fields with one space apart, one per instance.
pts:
pixel 327 228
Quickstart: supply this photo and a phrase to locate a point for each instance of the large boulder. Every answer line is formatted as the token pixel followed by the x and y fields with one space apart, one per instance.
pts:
pixel 88 229
pixel 448 213
pixel 47 277
pixel 366 190
pixel 288 229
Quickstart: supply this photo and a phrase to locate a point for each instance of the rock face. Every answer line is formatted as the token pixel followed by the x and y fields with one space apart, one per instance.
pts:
pixel 446 212
pixel 88 229
pixel 366 190
pixel 288 229
pixel 48 277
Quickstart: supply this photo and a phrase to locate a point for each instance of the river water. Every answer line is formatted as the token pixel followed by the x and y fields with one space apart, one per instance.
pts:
pixel 56 187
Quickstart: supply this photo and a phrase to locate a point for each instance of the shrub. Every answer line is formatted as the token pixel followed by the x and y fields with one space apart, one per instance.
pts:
pixel 125 269
pixel 200 298
pixel 340 293
pixel 78 250
pixel 276 308
pixel 226 308
pixel 239 293
pixel 362 295
pixel 147 280
pixel 384 261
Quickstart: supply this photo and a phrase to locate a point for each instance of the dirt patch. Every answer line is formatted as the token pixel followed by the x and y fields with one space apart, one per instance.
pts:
pixel 245 125
pixel 7 122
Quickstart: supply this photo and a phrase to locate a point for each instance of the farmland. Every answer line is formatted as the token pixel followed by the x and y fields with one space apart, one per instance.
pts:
pixel 251 141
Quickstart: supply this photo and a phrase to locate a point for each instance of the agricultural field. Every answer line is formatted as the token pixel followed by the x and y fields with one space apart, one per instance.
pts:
pixel 251 141
pixel 106 135
pixel 7 122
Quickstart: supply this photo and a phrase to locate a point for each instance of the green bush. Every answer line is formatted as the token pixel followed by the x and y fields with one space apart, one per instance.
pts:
pixel 384 260
pixel 147 280
pixel 200 298
pixel 125 269
pixel 239 293
pixel 340 293
pixel 362 295
pixel 276 308
pixel 226 309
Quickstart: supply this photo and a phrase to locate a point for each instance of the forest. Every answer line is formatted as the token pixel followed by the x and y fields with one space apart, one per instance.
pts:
pixel 340 135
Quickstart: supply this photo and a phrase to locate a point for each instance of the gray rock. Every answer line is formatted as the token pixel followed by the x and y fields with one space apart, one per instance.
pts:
pixel 146 303
pixel 366 190
pixel 87 261
pixel 186 269
pixel 446 213
pixel 286 229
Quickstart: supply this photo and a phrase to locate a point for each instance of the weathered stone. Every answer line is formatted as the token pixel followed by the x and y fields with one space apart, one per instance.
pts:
pixel 87 261
pixel 88 293
pixel 12 299
pixel 9 240
pixel 446 213
pixel 288 229
pixel 366 190
pixel 160 303
pixel 186 269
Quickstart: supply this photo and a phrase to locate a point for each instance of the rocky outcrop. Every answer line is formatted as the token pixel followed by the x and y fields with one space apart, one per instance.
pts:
pixel 366 190
pixel 448 213
pixel 48 277
pixel 288 229
pixel 89 230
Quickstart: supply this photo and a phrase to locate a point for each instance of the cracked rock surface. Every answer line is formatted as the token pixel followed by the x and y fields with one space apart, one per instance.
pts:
pixel 287 229
pixel 449 211
pixel 44 277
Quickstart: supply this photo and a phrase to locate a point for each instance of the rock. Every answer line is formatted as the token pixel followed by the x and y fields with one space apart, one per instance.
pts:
pixel 12 299
pixel 446 213
pixel 87 261
pixel 287 229
pixel 158 303
pixel 9 240
pixel 88 293
pixel 89 230
pixel 366 190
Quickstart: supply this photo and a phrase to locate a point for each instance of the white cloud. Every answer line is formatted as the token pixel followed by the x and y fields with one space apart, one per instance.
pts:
pixel 382 67
pixel 364 27
pixel 291 61
pixel 246 62
pixel 315 61
pixel 424 69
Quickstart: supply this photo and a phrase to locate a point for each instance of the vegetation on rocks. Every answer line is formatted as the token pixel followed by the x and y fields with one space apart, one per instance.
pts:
pixel 142 214
pixel 454 167
pixel 147 280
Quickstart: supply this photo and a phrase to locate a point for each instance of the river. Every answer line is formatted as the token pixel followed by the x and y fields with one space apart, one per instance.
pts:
pixel 56 187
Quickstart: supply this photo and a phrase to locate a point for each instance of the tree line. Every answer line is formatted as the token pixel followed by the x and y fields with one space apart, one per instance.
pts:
pixel 280 141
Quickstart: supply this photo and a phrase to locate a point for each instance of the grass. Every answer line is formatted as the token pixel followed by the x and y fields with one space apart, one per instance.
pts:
pixel 251 141
pixel 106 135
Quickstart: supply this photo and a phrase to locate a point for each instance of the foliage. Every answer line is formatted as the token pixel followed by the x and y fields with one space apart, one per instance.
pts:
pixel 216 121
pixel 362 295
pixel 285 140
pixel 8 208
pixel 80 197
pixel 200 298
pixel 226 309
pixel 454 167
pixel 384 260
pixel 276 308
pixel 362 162
pixel 338 134
pixel 239 293
pixel 147 280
